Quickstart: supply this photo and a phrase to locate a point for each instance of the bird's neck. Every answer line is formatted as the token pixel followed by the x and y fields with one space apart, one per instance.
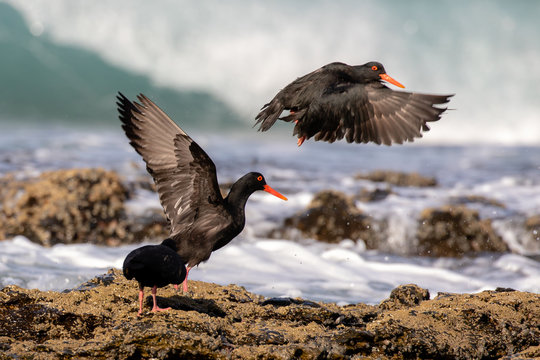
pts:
pixel 236 200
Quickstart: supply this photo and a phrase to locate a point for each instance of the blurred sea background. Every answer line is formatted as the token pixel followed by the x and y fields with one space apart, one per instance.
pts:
pixel 212 65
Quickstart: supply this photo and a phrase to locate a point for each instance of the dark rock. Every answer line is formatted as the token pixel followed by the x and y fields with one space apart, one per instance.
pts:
pixel 405 296
pixel 354 341
pixel 398 178
pixel 331 217
pixel 501 289
pixel 286 301
pixel 476 199
pixel 373 195
pixel 455 231
pixel 102 323
pixel 105 279
pixel 185 303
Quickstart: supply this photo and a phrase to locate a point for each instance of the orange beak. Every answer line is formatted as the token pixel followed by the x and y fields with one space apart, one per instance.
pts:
pixel 268 189
pixel 385 77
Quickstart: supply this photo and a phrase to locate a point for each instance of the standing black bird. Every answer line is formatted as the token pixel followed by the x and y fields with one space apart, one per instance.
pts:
pixel 341 101
pixel 201 220
pixel 155 266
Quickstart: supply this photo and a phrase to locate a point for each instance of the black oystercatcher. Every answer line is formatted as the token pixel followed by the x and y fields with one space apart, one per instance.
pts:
pixel 341 101
pixel 201 220
pixel 155 266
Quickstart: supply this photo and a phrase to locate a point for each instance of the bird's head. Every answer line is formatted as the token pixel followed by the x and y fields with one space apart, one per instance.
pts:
pixel 374 70
pixel 255 181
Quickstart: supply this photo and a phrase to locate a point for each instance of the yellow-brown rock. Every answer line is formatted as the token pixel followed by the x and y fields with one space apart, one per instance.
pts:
pixel 99 321
pixel 69 206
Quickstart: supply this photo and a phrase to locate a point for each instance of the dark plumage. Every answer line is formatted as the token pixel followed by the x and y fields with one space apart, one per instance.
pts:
pixel 341 101
pixel 155 266
pixel 201 220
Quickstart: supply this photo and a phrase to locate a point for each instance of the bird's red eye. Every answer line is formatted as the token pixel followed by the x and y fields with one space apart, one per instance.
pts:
pixel 374 68
pixel 259 178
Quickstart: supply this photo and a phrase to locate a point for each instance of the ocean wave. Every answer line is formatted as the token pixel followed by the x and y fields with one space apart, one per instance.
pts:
pixel 45 82
pixel 242 53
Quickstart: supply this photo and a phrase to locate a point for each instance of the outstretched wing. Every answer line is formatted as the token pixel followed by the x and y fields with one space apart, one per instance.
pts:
pixel 184 174
pixel 370 113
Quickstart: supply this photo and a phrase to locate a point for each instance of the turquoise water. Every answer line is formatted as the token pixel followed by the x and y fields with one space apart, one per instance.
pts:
pixel 45 82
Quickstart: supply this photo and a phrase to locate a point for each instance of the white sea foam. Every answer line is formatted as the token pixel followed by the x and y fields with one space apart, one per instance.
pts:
pixel 345 272
pixel 336 273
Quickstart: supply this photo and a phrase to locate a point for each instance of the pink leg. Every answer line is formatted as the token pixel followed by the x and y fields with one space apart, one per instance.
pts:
pixel 141 297
pixel 156 308
pixel 301 139
pixel 185 289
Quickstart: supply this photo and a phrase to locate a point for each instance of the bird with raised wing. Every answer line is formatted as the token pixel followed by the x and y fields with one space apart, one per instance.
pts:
pixel 201 220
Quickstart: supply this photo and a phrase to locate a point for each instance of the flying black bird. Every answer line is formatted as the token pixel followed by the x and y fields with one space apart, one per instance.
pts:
pixel 341 101
pixel 201 220
pixel 155 266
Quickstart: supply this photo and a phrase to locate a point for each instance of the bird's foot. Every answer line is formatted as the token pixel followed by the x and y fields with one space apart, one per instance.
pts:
pixel 157 308
pixel 301 140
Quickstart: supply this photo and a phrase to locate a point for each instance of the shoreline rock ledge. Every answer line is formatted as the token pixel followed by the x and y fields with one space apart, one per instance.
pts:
pixel 99 321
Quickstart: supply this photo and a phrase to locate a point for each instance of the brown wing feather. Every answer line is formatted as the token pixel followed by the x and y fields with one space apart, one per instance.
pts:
pixel 370 113
pixel 184 174
pixel 405 115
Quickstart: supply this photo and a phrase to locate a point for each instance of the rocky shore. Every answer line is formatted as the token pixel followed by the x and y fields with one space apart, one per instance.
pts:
pixel 99 321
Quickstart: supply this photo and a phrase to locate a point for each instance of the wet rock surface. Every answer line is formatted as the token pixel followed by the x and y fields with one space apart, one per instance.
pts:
pixel 448 231
pixel 227 322
pixel 377 194
pixel 476 199
pixel 398 178
pixel 456 231
pixel 72 206
pixel 89 206
pixel 405 296
pixel 331 217
pixel 532 227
